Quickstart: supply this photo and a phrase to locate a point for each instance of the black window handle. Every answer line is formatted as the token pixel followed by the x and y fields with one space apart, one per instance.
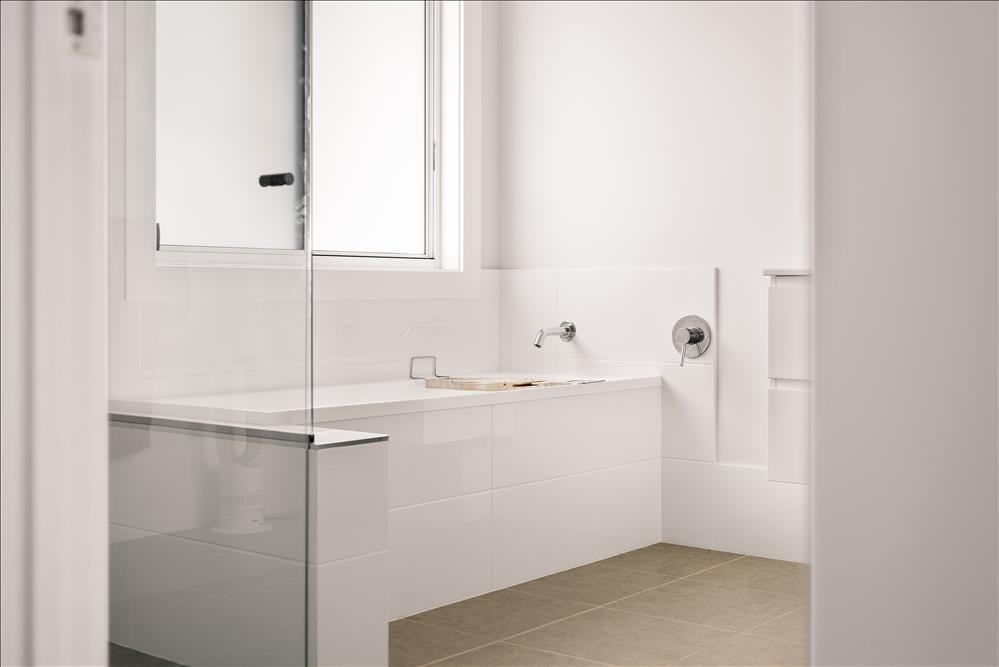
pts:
pixel 276 179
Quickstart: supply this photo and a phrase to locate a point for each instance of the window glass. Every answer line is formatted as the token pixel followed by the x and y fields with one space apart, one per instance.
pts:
pixel 370 139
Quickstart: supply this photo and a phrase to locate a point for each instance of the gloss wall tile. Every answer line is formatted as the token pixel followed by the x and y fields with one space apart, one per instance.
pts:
pixel 627 315
pixel 573 520
pixel 439 552
pixel 350 623
pixel 528 301
pixel 433 455
pixel 536 440
pixel 350 487
pixel 688 502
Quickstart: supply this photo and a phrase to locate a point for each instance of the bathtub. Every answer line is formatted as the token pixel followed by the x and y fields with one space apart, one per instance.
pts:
pixel 472 491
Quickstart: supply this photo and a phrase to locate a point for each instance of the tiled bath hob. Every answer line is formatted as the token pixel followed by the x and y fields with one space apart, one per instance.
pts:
pixel 660 605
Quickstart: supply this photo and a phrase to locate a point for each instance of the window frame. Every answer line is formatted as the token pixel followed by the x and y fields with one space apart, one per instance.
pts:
pixel 433 105
pixel 204 272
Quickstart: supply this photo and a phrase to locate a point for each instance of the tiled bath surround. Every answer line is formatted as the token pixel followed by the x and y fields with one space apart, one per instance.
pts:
pixel 624 318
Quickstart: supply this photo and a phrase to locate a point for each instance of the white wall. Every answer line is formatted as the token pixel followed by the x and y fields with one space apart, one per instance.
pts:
pixel 681 140
pixel 15 644
pixel 490 134
pixel 906 251
pixel 189 330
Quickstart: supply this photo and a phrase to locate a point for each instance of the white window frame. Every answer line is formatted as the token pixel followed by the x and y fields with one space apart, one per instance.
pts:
pixel 454 270
pixel 205 273
pixel 429 259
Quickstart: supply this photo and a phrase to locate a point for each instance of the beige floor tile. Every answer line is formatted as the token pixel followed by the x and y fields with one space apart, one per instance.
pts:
pixel 763 574
pixel 750 651
pixel 499 614
pixel 698 602
pixel 417 644
pixel 508 655
pixel 621 638
pixel 594 584
pixel 791 627
pixel 671 560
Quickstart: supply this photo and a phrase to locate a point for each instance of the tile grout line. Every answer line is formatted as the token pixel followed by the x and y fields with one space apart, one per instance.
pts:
pixel 592 607
pixel 693 574
pixel 746 633
pixel 508 638
pixel 777 639
pixel 562 655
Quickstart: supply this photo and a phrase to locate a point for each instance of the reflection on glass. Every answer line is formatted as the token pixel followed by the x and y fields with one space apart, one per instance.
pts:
pixel 208 547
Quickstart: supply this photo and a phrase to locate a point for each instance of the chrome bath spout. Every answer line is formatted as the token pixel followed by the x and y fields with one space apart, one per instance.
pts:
pixel 566 331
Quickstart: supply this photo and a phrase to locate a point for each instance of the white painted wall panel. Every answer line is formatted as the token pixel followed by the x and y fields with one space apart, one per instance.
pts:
pixel 789 334
pixel 907 97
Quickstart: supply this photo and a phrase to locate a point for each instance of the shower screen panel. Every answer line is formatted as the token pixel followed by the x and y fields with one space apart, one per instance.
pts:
pixel 209 346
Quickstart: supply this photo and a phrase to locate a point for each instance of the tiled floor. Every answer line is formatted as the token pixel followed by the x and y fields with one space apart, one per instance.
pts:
pixel 661 605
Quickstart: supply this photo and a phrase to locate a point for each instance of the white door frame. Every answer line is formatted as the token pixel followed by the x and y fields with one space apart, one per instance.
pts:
pixel 54 442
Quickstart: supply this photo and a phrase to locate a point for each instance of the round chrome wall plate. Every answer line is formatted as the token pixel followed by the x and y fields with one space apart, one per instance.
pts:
pixel 570 333
pixel 692 322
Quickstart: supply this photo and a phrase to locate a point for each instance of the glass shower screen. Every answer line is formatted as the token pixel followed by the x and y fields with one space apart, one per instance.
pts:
pixel 209 333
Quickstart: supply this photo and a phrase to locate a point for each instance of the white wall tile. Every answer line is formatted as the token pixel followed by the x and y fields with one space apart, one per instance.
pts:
pixel 351 611
pixel 535 440
pixel 439 553
pixel 201 338
pixel 689 401
pixel 284 647
pixel 528 302
pixel 190 634
pixel 760 517
pixel 351 500
pixel 540 366
pixel 355 335
pixel 433 455
pixel 628 315
pixel 550 526
pixel 157 583
pixel 165 481
pixel 789 332
pixel 689 409
pixel 789 427
pixel 688 499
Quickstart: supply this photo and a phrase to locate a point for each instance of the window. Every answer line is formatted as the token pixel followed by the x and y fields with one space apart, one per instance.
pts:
pixel 378 101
